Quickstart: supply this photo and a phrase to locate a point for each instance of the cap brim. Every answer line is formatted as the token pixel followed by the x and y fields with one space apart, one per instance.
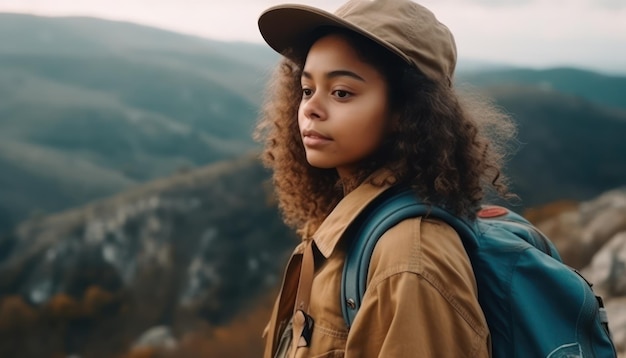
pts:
pixel 287 27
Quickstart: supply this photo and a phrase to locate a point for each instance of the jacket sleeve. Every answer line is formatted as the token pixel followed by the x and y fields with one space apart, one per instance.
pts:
pixel 417 306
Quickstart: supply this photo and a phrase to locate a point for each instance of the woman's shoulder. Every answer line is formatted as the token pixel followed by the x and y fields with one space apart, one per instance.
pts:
pixel 427 247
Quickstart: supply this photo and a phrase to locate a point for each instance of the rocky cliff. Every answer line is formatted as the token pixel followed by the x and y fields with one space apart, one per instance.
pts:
pixel 189 251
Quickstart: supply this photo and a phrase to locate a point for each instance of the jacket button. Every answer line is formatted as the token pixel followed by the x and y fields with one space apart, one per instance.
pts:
pixel 351 303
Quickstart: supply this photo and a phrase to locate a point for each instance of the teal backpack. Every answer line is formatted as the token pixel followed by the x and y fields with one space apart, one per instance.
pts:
pixel 535 305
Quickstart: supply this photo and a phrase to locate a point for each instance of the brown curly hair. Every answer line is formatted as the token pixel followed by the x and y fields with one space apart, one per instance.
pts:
pixel 447 147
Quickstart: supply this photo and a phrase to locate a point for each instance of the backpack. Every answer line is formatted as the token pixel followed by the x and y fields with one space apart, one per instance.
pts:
pixel 535 305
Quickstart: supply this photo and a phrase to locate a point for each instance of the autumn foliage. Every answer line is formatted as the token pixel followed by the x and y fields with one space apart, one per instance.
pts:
pixel 52 324
pixel 141 352
pixel 239 339
pixel 15 314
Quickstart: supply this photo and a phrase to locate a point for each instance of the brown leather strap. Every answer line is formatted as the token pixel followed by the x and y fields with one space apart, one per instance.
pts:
pixel 303 296
pixel 285 302
pixel 306 278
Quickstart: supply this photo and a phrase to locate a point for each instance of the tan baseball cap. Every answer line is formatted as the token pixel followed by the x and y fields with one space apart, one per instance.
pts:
pixel 403 27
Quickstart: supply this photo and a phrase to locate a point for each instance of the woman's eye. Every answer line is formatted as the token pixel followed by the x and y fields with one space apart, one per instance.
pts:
pixel 307 92
pixel 341 94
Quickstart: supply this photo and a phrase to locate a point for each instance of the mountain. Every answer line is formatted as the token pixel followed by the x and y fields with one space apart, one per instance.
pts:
pixel 571 123
pixel 234 65
pixel 603 89
pixel 92 107
pixel 567 147
pixel 187 251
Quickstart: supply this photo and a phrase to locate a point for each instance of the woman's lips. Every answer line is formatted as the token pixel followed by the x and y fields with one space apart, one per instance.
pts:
pixel 312 138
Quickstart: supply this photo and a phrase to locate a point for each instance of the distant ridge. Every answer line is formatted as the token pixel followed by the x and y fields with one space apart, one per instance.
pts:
pixel 594 86
pixel 86 36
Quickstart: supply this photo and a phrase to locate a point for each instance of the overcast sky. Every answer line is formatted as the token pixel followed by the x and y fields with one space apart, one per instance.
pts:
pixel 537 33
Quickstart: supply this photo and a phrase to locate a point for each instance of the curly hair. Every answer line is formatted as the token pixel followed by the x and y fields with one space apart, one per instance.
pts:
pixel 446 146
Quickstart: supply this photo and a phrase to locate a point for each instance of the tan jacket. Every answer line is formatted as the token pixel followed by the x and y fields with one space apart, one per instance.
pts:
pixel 421 298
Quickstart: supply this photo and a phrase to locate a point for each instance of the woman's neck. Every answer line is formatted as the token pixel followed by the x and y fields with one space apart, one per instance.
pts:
pixel 348 180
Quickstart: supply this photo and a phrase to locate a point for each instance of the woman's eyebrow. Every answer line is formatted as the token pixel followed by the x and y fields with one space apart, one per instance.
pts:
pixel 336 73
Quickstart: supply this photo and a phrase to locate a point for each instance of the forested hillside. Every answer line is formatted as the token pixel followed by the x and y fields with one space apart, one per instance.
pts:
pixel 89 108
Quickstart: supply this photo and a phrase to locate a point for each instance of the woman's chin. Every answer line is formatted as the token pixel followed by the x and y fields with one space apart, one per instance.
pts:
pixel 320 163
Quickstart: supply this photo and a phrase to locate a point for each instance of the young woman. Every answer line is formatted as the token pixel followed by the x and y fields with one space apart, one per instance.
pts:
pixel 363 101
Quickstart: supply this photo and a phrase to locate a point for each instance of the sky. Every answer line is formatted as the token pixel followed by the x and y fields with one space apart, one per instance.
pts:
pixel 533 33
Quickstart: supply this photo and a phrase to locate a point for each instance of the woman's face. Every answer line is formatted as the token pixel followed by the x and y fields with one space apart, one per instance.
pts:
pixel 344 112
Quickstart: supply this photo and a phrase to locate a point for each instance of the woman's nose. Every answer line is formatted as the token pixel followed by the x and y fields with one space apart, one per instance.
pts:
pixel 313 107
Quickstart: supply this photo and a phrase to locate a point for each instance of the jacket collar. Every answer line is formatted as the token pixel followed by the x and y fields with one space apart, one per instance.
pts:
pixel 337 222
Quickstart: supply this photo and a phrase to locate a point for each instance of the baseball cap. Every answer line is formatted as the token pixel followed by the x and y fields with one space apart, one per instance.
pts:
pixel 405 28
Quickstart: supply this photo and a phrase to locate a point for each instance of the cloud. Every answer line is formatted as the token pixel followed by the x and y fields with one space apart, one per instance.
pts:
pixel 611 4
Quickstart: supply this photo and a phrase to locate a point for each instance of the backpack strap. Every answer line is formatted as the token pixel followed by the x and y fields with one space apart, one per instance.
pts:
pixel 387 210
pixel 302 322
